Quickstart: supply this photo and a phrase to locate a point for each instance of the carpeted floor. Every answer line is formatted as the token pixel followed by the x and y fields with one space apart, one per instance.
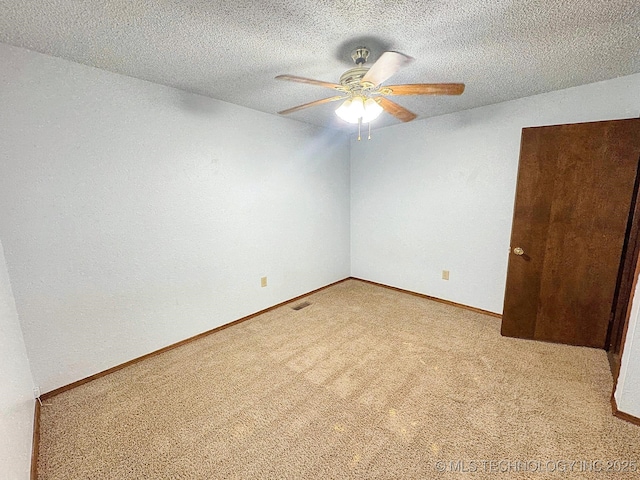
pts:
pixel 364 383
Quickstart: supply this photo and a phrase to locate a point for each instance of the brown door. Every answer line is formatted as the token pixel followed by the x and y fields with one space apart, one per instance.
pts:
pixel 573 199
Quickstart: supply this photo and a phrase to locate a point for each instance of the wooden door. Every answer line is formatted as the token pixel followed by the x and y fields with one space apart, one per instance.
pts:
pixel 574 194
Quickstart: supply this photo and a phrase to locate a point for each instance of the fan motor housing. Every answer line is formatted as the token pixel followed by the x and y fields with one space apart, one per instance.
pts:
pixel 351 78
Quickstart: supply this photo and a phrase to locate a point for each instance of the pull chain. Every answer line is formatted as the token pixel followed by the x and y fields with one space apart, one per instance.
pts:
pixel 359 123
pixel 369 131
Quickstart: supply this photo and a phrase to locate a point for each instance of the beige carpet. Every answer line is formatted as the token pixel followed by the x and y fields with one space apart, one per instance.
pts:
pixel 364 383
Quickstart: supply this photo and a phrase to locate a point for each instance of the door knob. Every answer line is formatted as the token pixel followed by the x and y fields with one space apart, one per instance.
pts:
pixel 518 251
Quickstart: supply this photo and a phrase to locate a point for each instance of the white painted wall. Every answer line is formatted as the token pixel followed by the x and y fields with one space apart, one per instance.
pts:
pixel 437 194
pixel 135 215
pixel 16 388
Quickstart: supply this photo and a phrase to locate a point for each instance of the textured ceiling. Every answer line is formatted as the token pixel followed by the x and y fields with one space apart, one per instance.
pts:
pixel 501 49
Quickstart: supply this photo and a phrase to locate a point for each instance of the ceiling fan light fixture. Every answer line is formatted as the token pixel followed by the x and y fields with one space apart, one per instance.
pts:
pixel 357 109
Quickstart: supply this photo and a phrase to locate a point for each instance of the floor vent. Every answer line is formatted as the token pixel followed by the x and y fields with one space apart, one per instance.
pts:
pixel 300 306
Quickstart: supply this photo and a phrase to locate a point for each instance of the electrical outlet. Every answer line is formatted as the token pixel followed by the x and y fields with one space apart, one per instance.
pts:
pixel 445 274
pixel 263 282
pixel 36 392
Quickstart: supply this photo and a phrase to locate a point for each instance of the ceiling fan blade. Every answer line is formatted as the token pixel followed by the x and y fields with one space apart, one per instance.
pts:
pixel 388 64
pixel 312 104
pixel 396 110
pixel 424 89
pixel 310 81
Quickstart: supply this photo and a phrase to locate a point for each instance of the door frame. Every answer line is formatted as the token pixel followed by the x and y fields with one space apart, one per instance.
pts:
pixel 616 360
pixel 628 273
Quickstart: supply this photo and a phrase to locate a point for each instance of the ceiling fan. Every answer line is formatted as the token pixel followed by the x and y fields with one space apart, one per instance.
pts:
pixel 365 98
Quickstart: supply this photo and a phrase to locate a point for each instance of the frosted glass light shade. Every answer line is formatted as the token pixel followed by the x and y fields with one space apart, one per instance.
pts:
pixel 344 112
pixel 356 108
pixel 372 110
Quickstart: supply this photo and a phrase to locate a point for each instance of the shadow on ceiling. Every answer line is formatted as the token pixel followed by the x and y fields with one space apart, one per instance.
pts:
pixel 376 45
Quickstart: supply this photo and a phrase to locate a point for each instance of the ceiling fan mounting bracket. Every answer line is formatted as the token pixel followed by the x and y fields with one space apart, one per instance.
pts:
pixel 360 55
